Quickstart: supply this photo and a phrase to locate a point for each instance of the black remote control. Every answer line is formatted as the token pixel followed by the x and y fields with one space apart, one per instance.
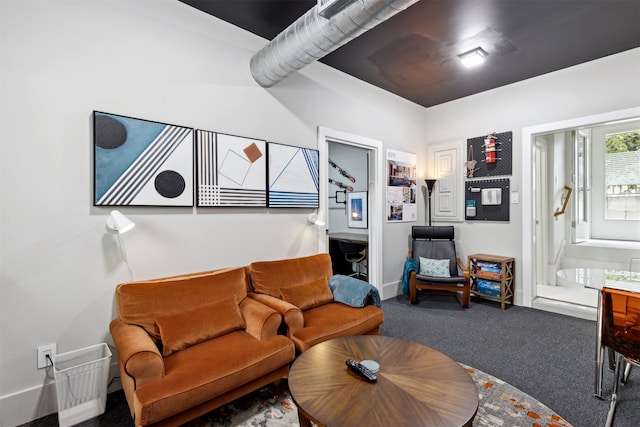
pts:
pixel 361 370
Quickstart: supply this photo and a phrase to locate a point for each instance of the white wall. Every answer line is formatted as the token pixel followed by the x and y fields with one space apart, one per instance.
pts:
pixel 159 60
pixel 596 87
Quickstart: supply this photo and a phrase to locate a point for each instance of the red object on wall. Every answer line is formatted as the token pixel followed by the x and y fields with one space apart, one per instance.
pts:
pixel 490 149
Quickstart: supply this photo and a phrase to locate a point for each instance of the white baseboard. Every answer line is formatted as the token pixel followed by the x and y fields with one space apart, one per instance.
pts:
pixel 39 401
pixel 28 405
pixel 390 290
pixel 568 309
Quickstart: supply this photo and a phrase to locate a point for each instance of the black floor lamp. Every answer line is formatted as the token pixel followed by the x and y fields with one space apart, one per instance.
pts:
pixel 430 183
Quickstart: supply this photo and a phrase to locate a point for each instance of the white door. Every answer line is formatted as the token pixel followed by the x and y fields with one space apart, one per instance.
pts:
pixel 581 174
pixel 540 194
pixel 445 163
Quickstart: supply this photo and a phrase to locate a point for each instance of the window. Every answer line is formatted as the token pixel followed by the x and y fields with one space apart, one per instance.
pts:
pixel 622 176
pixel 615 171
pixel 582 178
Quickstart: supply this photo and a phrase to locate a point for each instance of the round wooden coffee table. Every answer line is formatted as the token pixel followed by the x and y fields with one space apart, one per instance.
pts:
pixel 416 386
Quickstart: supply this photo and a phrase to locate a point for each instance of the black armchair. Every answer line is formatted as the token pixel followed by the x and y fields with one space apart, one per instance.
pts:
pixel 434 244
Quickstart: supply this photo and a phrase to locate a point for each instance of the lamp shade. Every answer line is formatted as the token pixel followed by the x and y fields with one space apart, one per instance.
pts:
pixel 119 223
pixel 316 219
pixel 430 183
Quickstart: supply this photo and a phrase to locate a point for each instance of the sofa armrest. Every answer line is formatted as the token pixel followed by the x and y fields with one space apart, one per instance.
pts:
pixel 262 321
pixel 292 315
pixel 137 353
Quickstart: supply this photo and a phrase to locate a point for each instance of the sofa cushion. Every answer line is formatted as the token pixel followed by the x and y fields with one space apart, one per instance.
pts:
pixel 336 320
pixel 139 303
pixel 268 277
pixel 184 328
pixel 308 295
pixel 210 369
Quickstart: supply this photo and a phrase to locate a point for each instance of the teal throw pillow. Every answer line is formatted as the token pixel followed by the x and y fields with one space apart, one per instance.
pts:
pixel 434 267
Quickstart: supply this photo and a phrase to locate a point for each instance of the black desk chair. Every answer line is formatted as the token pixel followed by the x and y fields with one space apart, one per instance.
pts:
pixel 355 253
pixel 436 244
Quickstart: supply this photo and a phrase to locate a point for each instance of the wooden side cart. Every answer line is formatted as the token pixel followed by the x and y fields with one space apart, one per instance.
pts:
pixel 492 277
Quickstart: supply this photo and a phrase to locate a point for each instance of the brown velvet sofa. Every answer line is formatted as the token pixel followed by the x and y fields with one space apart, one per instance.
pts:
pixel 298 289
pixel 189 344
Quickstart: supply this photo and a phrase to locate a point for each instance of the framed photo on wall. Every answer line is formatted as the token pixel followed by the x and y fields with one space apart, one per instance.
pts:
pixel 357 209
pixel 401 186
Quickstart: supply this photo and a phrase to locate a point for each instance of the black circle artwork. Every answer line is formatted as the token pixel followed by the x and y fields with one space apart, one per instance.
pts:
pixel 109 132
pixel 169 184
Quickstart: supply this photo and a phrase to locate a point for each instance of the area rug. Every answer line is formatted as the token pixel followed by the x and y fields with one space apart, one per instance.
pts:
pixel 504 405
pixel 500 405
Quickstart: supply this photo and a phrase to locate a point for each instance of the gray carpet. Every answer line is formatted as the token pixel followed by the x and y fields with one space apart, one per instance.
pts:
pixel 546 355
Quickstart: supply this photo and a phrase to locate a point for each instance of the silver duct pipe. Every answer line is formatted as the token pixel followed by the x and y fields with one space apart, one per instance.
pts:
pixel 312 37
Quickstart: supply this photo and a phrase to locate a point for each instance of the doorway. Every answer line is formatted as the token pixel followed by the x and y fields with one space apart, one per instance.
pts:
pixel 328 136
pixel 542 249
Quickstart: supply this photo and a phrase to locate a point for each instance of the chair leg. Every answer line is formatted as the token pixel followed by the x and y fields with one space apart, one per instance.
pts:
pixel 413 294
pixel 612 359
pixel 614 395
pixel 466 297
pixel 627 371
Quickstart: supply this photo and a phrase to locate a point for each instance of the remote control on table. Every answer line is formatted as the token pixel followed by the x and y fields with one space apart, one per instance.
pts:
pixel 361 370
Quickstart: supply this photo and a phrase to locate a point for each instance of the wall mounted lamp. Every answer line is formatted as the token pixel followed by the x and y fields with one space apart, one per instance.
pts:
pixel 473 57
pixel 119 223
pixel 316 219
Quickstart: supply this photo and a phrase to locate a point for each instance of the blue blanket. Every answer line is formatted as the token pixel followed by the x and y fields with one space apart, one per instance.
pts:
pixel 353 292
pixel 409 265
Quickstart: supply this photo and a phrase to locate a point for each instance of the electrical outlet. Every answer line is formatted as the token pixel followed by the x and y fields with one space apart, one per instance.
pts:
pixel 44 351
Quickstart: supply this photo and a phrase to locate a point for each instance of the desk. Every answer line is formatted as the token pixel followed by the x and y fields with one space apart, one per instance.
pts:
pixel 340 265
pixel 417 385
pixel 595 278
pixel 351 237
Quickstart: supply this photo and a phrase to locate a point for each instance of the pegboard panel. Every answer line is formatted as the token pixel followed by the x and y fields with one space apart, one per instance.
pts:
pixel 483 196
pixel 503 163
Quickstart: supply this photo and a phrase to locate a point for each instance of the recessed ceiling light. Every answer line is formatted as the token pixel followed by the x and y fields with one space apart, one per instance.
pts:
pixel 473 57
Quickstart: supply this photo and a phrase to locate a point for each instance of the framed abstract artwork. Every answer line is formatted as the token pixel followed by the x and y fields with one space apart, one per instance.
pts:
pixel 231 170
pixel 293 176
pixel 357 209
pixel 141 163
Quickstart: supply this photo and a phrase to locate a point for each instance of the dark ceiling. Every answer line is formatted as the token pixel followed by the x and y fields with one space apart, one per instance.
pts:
pixel 414 54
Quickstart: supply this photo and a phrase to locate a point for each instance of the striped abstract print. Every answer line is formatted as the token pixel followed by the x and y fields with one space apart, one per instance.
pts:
pixel 293 176
pixel 142 163
pixel 230 170
pixel 128 186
